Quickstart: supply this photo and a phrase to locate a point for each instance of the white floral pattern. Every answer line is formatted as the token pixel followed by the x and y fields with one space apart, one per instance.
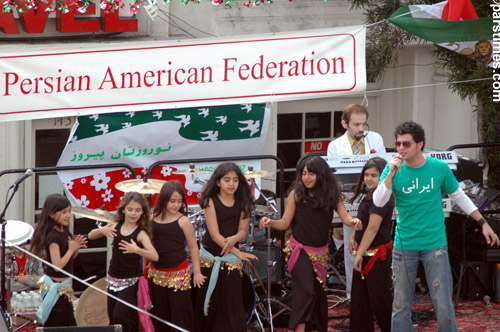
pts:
pixel 83 201
pixel 100 181
pixel 107 195
pixel 166 171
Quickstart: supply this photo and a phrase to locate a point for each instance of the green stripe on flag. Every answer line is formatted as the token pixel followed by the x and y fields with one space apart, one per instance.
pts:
pixel 442 31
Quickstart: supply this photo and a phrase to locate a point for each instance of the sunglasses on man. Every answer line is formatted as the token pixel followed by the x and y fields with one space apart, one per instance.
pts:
pixel 406 144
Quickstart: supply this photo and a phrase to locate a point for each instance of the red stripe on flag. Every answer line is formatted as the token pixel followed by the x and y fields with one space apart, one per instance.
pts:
pixel 454 10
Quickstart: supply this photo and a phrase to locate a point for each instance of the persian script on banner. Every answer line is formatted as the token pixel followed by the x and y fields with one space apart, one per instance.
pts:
pixel 140 139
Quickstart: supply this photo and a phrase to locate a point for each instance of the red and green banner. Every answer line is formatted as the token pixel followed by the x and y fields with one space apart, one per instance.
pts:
pixel 441 24
pixel 141 139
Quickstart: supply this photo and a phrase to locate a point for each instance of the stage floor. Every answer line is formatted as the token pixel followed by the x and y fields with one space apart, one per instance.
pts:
pixel 472 316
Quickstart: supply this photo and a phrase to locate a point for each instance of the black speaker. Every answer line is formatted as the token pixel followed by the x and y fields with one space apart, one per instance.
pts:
pixel 109 328
pixel 477 281
pixel 261 264
pixel 496 282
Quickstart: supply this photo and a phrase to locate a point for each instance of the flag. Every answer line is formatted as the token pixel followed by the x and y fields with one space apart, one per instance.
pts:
pixel 140 139
pixel 440 24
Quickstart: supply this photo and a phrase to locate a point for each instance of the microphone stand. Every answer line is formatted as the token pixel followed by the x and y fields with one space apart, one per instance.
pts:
pixel 269 264
pixel 3 302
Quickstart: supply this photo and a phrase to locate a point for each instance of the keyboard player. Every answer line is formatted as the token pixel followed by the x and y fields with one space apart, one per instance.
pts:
pixel 356 140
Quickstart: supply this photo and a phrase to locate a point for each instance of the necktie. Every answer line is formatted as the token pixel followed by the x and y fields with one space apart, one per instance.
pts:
pixel 356 148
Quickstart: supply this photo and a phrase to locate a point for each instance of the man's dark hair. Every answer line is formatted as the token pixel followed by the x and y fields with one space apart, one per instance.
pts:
pixel 414 129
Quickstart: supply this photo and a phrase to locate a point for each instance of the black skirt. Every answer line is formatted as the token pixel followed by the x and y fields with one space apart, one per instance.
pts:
pixel 309 303
pixel 226 310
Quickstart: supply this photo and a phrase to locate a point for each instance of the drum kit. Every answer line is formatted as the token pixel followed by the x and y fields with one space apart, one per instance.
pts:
pixel 17 233
pixel 90 309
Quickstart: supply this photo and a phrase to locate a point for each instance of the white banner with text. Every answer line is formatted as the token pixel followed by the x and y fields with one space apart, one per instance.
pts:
pixel 53 80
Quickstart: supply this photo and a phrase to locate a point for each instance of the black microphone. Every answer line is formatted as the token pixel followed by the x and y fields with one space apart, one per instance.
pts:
pixel 367 130
pixel 29 172
pixel 396 169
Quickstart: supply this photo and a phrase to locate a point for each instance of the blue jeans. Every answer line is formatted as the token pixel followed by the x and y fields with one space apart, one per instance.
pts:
pixel 439 280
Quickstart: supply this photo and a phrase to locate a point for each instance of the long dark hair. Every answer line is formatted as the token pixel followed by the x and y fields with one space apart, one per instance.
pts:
pixel 165 194
pixel 375 162
pixel 242 196
pixel 326 193
pixel 53 204
pixel 145 221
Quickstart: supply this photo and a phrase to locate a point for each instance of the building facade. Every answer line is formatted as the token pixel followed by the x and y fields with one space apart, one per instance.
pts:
pixel 415 89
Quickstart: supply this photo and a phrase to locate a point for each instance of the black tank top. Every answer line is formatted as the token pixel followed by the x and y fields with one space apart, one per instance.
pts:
pixel 125 265
pixel 170 243
pixel 228 219
pixel 311 226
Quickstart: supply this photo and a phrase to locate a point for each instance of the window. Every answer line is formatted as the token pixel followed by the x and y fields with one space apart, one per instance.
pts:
pixel 46 140
pixel 289 126
pixel 297 132
pixel 318 125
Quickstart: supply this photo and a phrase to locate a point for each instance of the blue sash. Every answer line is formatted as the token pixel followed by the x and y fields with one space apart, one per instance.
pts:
pixel 230 258
pixel 50 295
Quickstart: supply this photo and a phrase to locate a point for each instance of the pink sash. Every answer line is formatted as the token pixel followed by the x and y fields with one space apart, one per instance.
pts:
pixel 144 302
pixel 319 265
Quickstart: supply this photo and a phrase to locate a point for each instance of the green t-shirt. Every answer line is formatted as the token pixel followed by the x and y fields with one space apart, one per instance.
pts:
pixel 418 193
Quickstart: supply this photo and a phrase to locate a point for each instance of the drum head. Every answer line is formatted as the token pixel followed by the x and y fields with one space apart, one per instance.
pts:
pixel 92 307
pixel 17 232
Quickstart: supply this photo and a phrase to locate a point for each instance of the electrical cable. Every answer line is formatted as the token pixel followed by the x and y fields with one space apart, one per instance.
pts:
pixel 191 26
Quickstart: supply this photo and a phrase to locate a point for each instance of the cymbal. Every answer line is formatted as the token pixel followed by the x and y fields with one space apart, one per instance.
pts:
pixel 193 171
pixel 257 174
pixel 96 214
pixel 151 186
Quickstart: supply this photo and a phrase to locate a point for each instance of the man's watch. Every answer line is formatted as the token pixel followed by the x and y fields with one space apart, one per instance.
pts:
pixel 481 221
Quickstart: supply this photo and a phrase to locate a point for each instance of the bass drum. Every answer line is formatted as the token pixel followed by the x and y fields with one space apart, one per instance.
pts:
pixel 92 307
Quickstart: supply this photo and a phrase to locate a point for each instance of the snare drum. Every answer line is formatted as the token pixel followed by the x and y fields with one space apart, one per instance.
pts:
pixel 17 232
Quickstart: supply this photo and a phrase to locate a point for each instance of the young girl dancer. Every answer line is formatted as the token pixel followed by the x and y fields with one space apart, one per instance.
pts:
pixel 53 240
pixel 227 202
pixel 371 282
pixel 131 232
pixel 170 278
pixel 309 209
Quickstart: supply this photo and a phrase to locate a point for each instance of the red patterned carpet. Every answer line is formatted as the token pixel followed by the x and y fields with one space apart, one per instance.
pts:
pixel 472 316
